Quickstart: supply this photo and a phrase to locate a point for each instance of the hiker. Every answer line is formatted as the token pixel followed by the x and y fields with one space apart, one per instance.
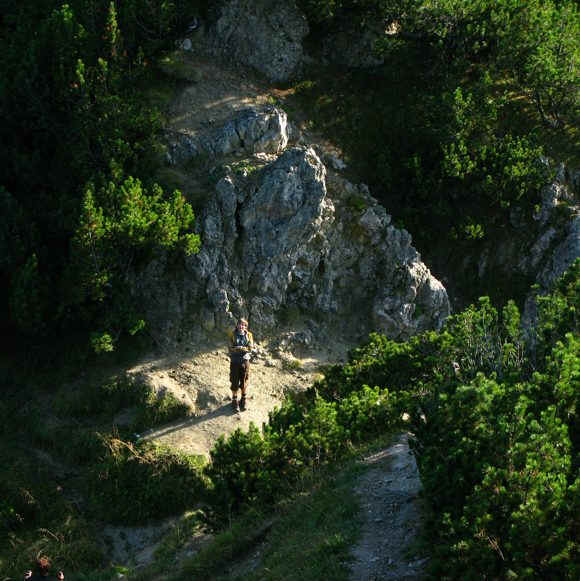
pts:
pixel 41 569
pixel 241 344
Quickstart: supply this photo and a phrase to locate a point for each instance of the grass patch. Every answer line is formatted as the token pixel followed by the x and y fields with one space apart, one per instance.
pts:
pixel 313 537
pixel 307 536
pixel 100 402
pixel 133 483
pixel 292 364
pixel 38 517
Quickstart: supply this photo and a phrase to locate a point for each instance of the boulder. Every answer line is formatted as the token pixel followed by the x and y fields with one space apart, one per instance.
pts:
pixel 279 240
pixel 253 130
pixel 264 34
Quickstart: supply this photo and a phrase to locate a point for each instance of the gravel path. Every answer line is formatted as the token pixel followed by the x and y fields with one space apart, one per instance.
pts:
pixel 392 509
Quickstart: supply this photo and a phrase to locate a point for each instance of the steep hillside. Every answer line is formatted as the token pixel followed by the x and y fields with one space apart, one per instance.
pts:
pixel 349 176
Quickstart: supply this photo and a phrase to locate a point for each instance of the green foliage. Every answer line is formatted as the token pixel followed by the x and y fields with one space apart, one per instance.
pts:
pixel 536 43
pixel 384 362
pixel 121 227
pixel 121 393
pixel 471 94
pixel 101 342
pixel 239 471
pixel 134 483
pixel 558 312
pixel 304 435
pixel 540 44
pixel 74 114
pixel 494 414
pixel 309 536
pixel 503 168
pixel 366 412
pixel 316 439
pixel 157 410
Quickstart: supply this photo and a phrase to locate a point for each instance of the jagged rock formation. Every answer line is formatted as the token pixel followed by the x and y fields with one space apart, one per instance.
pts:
pixel 558 220
pixel 269 35
pixel 278 239
pixel 251 131
pixel 264 34
pixel 541 244
pixel 557 241
pixel 288 242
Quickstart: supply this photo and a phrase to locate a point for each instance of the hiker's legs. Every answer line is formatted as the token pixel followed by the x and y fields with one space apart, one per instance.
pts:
pixel 239 373
pixel 235 369
pixel 244 375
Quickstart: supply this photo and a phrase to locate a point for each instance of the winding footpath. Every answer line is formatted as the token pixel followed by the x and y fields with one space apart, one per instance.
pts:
pixel 389 493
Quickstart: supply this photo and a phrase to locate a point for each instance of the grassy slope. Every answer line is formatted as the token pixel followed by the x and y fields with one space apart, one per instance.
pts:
pixel 51 441
pixel 306 537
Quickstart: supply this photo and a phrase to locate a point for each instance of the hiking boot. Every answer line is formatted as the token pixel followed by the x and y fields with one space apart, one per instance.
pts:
pixel 235 405
pixel 243 403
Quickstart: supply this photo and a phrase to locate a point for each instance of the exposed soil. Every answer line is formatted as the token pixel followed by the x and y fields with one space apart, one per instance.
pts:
pixel 201 380
pixel 220 89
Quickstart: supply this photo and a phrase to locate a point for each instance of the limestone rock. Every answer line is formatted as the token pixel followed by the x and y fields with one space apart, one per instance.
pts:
pixel 541 245
pixel 280 240
pixel 287 248
pixel 253 130
pixel 265 34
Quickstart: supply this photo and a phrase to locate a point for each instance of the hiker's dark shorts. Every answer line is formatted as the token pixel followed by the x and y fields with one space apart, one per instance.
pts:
pixel 239 373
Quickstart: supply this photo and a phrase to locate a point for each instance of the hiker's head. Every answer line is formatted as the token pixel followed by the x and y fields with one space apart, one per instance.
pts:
pixel 242 324
pixel 43 565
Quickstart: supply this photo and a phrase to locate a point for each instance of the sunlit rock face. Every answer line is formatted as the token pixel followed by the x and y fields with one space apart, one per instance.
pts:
pixel 293 236
pixel 253 130
pixel 289 234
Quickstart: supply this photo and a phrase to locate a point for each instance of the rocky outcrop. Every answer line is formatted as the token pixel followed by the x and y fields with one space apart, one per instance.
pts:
pixel 264 34
pixel 278 240
pixel 558 219
pixel 251 131
pixel 292 244
pixel 543 241
pixel 556 245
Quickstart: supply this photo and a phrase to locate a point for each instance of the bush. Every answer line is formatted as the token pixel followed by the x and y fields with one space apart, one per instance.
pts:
pixel 366 413
pixel 133 483
pixel 306 433
pixel 240 471
pixel 494 412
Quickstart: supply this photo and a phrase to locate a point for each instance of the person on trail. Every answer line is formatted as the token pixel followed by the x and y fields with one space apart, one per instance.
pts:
pixel 42 568
pixel 241 344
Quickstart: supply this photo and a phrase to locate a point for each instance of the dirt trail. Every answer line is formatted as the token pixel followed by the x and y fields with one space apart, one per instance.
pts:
pixel 392 511
pixel 220 90
pixel 202 381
